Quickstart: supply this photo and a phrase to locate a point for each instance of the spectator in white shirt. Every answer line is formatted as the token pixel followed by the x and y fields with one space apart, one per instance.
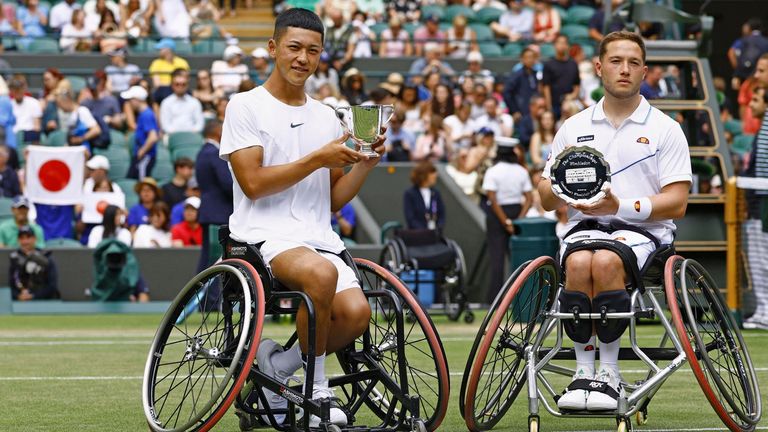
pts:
pixel 172 19
pixel 75 36
pixel 114 219
pixel 158 232
pixel 181 112
pixel 227 74
pixel 501 124
pixel 61 14
pixel 26 109
pixel 95 8
pixel 121 74
pixel 460 126
pixel 515 24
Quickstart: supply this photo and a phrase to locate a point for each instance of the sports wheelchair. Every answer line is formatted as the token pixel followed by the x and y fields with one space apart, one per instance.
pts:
pixel 414 250
pixel 523 333
pixel 201 360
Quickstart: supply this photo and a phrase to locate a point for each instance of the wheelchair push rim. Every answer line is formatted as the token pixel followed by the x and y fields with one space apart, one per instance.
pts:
pixel 708 330
pixel 181 390
pixel 426 367
pixel 500 346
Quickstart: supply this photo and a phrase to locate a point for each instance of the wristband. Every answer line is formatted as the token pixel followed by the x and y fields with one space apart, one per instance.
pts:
pixel 638 209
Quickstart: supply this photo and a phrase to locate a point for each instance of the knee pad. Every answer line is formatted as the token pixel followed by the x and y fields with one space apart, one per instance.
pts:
pixel 609 330
pixel 576 302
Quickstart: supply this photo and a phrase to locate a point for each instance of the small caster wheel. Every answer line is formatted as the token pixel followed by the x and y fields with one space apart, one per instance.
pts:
pixel 418 425
pixel 623 424
pixel 469 317
pixel 641 417
pixel 533 423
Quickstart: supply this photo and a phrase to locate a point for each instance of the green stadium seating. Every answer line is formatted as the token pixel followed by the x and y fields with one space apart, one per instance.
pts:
pixel 303 4
pixel 43 45
pixel 488 15
pixel 547 50
pixel 5 208
pixel 560 11
pixel 143 45
pixel 429 10
pixel 187 152
pixel 579 15
pixel 455 10
pixel 589 50
pixel 483 32
pixel 513 49
pixel 210 46
pixel 55 139
pixel 117 139
pixel 163 171
pixel 490 49
pixel 62 243
pixel 184 142
pixel 378 28
pixel 742 144
pixel 411 27
pixel 127 186
pixel 77 83
pixel 735 127
pixel 576 33
pixel 183 47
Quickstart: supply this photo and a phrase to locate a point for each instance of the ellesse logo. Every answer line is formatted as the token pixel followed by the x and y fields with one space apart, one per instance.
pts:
pixel 637 206
pixel 643 140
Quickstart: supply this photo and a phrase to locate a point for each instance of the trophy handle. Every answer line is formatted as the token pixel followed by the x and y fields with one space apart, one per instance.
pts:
pixel 342 113
pixel 385 118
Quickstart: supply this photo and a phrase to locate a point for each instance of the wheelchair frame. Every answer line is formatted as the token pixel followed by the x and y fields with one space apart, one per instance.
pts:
pixel 454 304
pixel 533 357
pixel 366 380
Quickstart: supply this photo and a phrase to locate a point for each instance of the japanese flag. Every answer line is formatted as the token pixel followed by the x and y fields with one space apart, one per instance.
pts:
pixel 94 204
pixel 55 175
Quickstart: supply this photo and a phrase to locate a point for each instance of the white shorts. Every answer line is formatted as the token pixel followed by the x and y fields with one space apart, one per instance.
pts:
pixel 347 278
pixel 641 245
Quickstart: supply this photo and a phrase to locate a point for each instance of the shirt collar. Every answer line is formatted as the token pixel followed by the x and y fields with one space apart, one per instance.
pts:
pixel 640 115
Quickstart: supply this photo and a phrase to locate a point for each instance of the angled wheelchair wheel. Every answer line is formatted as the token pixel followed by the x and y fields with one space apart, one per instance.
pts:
pixel 454 297
pixel 495 371
pixel 713 344
pixel 201 354
pixel 424 366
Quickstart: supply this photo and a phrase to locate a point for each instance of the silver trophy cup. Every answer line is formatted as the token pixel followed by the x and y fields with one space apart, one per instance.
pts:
pixel 364 123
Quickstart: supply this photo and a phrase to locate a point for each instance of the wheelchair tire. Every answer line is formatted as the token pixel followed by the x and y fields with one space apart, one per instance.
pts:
pixel 495 371
pixel 713 344
pixel 201 354
pixel 425 364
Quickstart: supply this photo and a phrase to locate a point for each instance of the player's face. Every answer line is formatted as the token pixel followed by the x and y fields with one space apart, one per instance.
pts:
pixel 296 54
pixel 622 69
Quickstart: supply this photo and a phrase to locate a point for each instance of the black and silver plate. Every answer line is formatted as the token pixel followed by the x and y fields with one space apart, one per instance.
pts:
pixel 579 175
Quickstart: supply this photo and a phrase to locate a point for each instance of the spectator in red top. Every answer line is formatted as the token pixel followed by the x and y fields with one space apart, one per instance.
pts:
pixel 750 123
pixel 546 22
pixel 188 232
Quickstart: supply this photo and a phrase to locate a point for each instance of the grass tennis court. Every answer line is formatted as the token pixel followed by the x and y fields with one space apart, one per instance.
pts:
pixel 83 373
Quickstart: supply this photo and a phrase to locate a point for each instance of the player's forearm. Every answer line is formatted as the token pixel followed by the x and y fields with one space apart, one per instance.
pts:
pixel 671 203
pixel 549 200
pixel 348 186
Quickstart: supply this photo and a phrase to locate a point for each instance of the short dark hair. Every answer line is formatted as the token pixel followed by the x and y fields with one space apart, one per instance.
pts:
pixel 755 23
pixel 299 18
pixel 421 171
pixel 209 131
pixel 183 162
pixel 617 36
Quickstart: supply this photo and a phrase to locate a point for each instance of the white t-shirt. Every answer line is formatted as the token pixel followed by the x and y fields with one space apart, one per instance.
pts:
pixel 301 213
pixel 26 112
pixel 647 152
pixel 146 234
pixel 97 235
pixel 227 77
pixel 499 124
pixel 71 34
pixel 509 180
pixel 69 120
pixel 459 128
pixel 183 114
pixel 61 14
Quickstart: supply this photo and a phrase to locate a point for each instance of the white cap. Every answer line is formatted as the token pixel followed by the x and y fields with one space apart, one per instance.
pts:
pixel 474 56
pixel 135 92
pixel 260 53
pixel 192 201
pixel 98 162
pixel 232 51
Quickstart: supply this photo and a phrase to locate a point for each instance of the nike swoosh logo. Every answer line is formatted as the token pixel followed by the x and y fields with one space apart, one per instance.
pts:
pixel 296 125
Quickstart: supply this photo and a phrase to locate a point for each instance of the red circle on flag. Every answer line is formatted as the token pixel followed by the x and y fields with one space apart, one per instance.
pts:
pixel 54 175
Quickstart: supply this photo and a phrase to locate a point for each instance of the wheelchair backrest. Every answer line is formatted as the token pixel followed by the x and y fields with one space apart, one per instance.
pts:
pixel 419 237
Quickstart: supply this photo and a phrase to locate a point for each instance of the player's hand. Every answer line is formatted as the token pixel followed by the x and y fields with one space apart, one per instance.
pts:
pixel 377 146
pixel 607 206
pixel 336 154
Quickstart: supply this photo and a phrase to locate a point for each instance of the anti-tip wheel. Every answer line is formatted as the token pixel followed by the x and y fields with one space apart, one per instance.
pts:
pixel 469 317
pixel 533 424
pixel 641 418
pixel 418 425
pixel 624 425
pixel 332 428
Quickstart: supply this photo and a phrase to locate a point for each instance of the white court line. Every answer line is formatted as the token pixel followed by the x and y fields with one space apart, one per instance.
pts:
pixel 763 369
pixel 667 430
pixel 75 342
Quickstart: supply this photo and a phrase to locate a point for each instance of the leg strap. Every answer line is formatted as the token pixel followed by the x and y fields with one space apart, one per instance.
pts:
pixel 576 303
pixel 608 330
pixel 593 386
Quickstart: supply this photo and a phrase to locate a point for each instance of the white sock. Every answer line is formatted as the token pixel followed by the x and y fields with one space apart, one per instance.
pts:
pixel 609 355
pixel 288 362
pixel 585 355
pixel 319 370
